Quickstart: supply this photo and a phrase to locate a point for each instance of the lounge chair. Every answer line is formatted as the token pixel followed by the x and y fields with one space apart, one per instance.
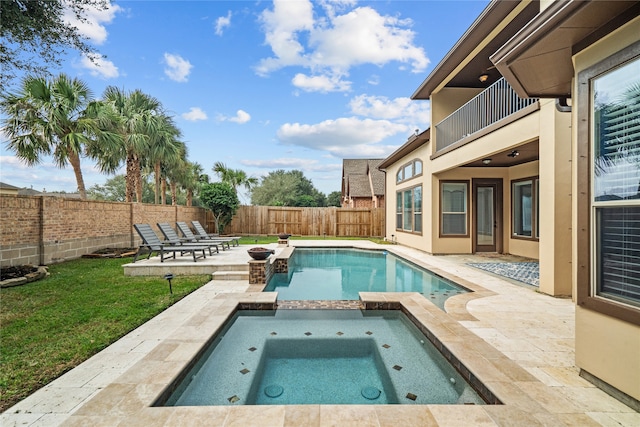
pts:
pixel 188 234
pixel 172 238
pixel 202 234
pixel 152 242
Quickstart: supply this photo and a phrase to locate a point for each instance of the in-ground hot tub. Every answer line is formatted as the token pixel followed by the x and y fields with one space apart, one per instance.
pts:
pixel 319 357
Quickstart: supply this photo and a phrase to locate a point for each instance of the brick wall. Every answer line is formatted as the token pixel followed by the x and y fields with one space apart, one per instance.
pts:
pixel 45 229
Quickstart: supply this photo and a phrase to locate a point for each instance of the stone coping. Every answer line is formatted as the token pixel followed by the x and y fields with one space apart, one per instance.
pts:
pixel 131 398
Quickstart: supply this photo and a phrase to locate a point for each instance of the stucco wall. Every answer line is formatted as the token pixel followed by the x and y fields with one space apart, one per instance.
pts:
pixel 605 347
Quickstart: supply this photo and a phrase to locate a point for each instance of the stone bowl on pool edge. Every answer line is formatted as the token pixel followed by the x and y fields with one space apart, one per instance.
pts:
pixel 260 253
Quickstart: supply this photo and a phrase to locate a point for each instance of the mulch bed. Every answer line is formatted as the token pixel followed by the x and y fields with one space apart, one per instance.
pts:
pixel 16 271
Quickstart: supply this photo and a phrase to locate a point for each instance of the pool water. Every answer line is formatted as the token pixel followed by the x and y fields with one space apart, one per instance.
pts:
pixel 320 357
pixel 340 274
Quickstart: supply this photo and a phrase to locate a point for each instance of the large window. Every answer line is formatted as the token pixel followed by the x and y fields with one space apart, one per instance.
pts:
pixel 616 182
pixel 453 207
pixel 525 209
pixel 609 186
pixel 408 171
pixel 409 209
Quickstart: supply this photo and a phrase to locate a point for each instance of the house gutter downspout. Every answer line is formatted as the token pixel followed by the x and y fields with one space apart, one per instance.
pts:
pixel 562 105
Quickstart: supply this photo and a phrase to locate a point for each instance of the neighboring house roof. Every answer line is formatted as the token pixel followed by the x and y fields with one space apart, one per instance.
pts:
pixel 29 192
pixel 355 178
pixel 359 186
pixel 5 186
pixel 492 29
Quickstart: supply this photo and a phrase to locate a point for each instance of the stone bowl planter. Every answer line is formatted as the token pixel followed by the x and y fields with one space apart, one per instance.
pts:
pixel 283 236
pixel 260 254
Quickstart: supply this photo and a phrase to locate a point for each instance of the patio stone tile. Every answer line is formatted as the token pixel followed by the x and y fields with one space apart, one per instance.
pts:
pixel 142 395
pixel 242 416
pixel 552 400
pixel 302 415
pixel 61 400
pixel 105 400
pixel 162 351
pixel 567 376
pixel 12 419
pixel 198 416
pixel 592 399
pixel 348 416
pixel 151 372
pixel 526 359
pixel 508 416
pixel 616 419
pixel 405 415
pixel 581 420
pixel 452 416
pixel 147 417
pixel 184 352
pixel 91 420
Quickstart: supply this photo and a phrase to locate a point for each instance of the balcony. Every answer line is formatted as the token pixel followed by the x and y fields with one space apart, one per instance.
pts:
pixel 494 104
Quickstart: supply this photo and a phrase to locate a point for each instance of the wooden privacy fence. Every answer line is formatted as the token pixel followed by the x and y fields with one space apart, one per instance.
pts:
pixel 328 221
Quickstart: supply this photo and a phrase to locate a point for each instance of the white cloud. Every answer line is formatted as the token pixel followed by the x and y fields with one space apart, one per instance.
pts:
pixel 194 114
pixel 178 68
pixel 322 83
pixel 286 163
pixel 98 66
pixel 343 137
pixel 223 22
pixel 93 25
pixel 330 45
pixel 241 117
pixel 402 109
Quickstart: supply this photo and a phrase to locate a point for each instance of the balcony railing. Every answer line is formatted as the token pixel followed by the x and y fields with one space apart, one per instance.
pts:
pixel 493 104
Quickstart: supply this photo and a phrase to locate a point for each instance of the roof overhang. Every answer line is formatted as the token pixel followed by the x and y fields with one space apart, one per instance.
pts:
pixel 414 142
pixel 469 57
pixel 537 61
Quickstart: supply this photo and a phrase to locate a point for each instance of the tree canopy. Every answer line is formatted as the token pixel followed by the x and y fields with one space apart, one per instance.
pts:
pixel 114 190
pixel 221 198
pixel 34 33
pixel 334 199
pixel 286 188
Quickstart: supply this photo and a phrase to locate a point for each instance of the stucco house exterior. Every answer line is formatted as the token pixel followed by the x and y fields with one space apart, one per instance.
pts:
pixel 362 183
pixel 534 150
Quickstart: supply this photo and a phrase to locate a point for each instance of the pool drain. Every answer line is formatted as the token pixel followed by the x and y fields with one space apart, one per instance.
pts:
pixel 273 390
pixel 370 393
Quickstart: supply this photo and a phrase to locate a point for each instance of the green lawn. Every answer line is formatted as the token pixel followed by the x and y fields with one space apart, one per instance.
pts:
pixel 49 326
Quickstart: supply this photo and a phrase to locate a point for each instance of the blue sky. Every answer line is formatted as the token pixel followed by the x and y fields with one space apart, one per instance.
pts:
pixel 266 85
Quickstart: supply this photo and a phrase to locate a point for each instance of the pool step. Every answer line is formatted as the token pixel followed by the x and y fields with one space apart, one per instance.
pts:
pixel 230 275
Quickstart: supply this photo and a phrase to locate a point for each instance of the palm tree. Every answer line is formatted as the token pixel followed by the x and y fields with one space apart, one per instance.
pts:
pixel 49 117
pixel 164 148
pixel 138 126
pixel 192 180
pixel 234 177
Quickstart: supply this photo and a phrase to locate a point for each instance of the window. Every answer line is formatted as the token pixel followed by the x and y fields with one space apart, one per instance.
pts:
pixel 409 209
pixel 608 204
pixel 399 210
pixel 525 210
pixel 406 225
pixel 453 203
pixel 417 209
pixel 615 177
pixel 408 171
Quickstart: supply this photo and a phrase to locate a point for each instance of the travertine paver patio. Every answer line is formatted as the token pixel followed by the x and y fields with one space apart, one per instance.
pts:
pixel 518 342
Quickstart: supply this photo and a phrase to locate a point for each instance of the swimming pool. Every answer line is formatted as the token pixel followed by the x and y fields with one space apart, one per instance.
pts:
pixel 320 357
pixel 339 274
